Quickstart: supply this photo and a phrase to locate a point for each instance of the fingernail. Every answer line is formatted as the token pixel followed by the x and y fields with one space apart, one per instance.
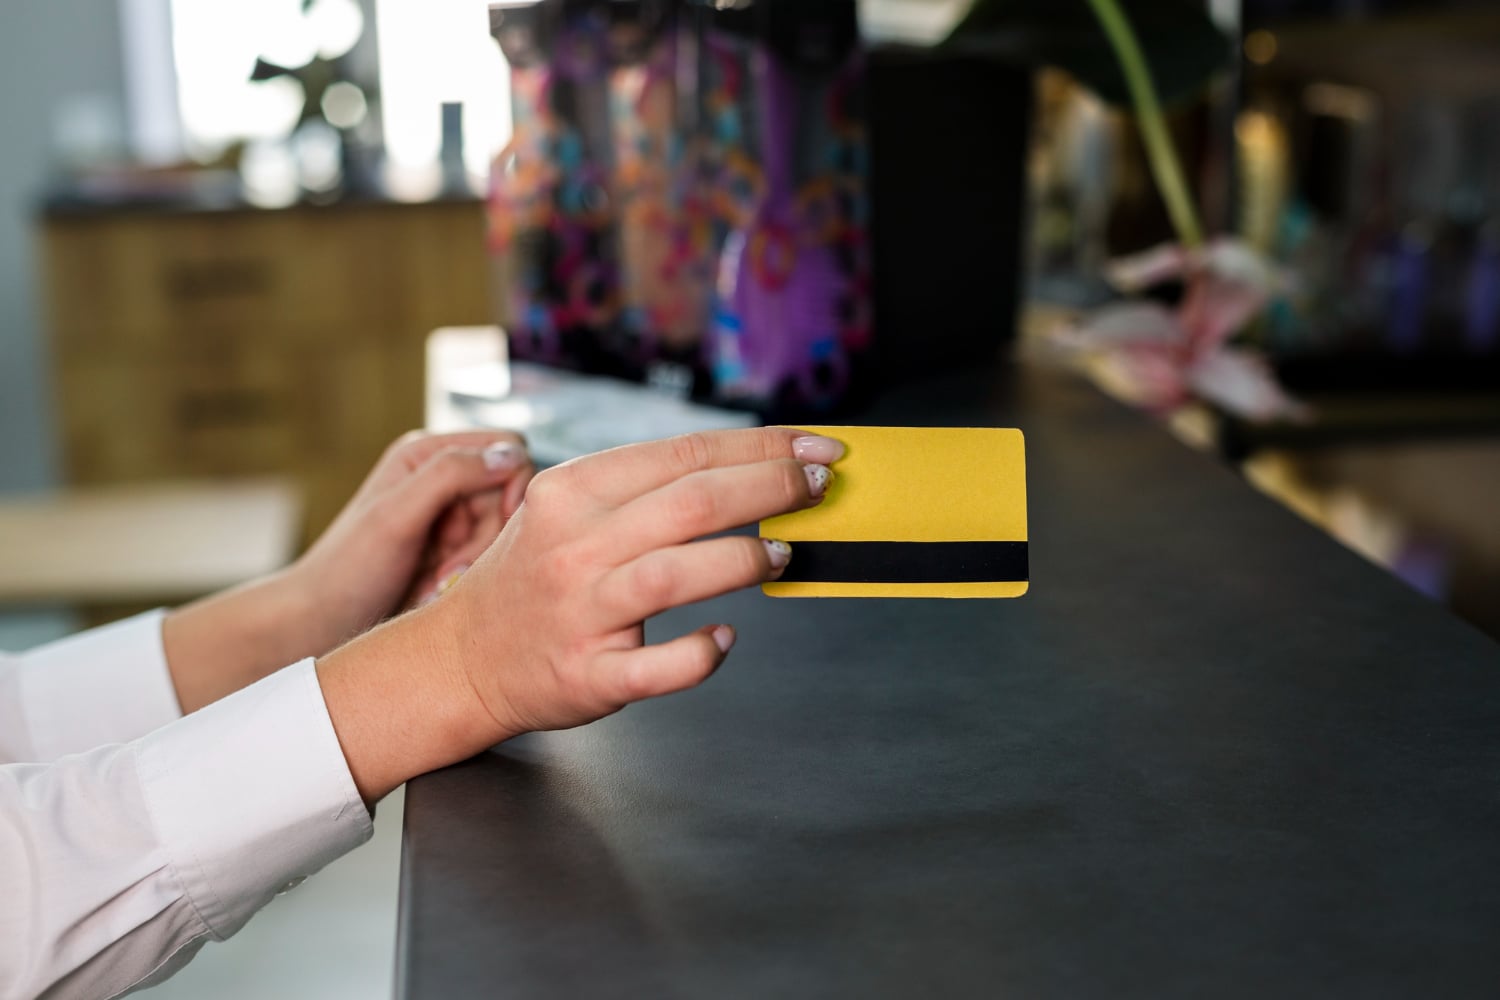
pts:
pixel 779 552
pixel 818 478
pixel 450 580
pixel 817 450
pixel 501 456
pixel 723 638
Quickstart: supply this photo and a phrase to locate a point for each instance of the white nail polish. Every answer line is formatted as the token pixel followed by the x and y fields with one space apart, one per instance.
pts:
pixel 501 456
pixel 818 478
pixel 779 552
pixel 723 638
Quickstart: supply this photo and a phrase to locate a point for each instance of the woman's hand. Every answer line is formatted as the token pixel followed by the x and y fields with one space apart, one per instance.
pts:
pixel 545 631
pixel 431 505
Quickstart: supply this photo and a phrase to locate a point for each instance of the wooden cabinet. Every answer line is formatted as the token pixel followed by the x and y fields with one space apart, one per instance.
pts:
pixel 225 344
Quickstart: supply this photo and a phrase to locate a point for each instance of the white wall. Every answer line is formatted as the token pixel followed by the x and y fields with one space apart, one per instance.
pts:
pixel 51 52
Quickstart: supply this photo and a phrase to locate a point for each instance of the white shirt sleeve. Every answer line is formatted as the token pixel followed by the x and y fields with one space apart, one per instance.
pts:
pixel 117 864
pixel 108 685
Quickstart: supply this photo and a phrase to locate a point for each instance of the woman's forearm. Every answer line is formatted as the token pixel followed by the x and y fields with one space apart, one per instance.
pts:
pixel 229 641
pixel 401 704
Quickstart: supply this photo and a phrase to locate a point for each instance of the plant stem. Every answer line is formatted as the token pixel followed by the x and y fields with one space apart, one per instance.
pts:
pixel 1165 166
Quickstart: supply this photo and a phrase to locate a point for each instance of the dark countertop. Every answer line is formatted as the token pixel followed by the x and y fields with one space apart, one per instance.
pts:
pixel 1211 754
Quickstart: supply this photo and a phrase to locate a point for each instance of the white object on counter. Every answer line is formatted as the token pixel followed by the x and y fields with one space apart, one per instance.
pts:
pixel 563 414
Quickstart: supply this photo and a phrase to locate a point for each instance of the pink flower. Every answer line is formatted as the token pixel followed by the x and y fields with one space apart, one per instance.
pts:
pixel 1161 358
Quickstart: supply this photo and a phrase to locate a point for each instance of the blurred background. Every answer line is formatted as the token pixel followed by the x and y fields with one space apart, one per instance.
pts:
pixel 230 228
pixel 1354 144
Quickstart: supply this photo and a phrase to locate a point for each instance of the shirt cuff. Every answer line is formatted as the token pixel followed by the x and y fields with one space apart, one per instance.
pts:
pixel 251 795
pixel 107 685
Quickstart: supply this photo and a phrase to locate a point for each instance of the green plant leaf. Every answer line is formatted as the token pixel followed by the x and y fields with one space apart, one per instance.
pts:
pixel 1182 46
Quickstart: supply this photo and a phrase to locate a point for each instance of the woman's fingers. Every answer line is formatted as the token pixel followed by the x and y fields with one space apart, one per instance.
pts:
pixel 705 503
pixel 465 530
pixel 614 477
pixel 455 526
pixel 413 450
pixel 515 491
pixel 652 671
pixel 451 475
pixel 683 574
pixel 458 561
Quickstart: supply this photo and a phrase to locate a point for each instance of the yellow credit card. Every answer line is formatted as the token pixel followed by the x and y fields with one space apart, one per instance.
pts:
pixel 912 512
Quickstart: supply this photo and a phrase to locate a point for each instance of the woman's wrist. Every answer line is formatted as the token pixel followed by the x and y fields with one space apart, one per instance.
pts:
pixel 401 702
pixel 316 617
pixel 222 643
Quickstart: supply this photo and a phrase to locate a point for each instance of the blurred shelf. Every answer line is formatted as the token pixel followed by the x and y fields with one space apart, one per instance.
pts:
pixel 208 345
pixel 202 192
pixel 1390 375
pixel 1449 52
pixel 1366 418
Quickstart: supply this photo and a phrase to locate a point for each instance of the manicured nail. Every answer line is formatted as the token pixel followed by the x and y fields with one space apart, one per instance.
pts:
pixel 818 478
pixel 817 450
pixel 723 638
pixel 502 456
pixel 780 553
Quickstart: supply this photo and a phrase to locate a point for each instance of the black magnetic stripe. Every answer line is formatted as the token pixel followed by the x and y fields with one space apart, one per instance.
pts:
pixel 907 562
